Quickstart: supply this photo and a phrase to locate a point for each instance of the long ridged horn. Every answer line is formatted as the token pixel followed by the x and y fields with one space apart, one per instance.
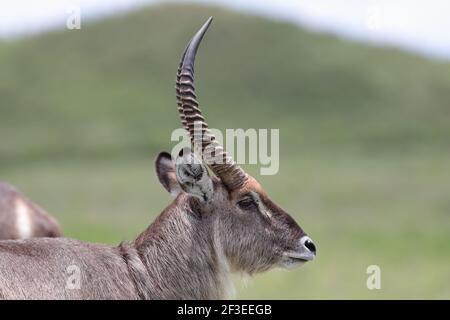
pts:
pixel 193 121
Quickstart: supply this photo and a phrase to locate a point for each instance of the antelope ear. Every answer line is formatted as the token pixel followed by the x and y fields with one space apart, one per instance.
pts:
pixel 165 170
pixel 193 176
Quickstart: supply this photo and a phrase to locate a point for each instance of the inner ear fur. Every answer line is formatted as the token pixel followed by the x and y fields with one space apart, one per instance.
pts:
pixel 193 176
pixel 165 170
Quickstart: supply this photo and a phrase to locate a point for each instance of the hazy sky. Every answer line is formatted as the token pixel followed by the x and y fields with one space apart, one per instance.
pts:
pixel 419 25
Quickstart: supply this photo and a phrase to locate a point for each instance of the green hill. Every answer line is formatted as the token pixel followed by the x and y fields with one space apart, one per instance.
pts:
pixel 365 137
pixel 108 88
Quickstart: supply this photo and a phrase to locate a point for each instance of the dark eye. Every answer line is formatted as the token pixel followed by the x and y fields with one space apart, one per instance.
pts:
pixel 247 204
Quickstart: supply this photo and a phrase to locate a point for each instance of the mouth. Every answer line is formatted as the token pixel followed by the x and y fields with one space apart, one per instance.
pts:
pixel 296 259
pixel 302 257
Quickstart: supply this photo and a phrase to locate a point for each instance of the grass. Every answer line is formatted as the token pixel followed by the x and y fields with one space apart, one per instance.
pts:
pixel 392 212
pixel 365 161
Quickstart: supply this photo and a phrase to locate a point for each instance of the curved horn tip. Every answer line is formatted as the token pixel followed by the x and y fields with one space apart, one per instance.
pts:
pixel 208 22
pixel 206 25
pixel 202 30
pixel 187 60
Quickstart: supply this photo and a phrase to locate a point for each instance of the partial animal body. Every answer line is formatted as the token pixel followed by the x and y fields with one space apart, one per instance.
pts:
pixel 22 219
pixel 218 224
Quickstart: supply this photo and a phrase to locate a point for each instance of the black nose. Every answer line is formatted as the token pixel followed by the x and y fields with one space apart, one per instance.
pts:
pixel 310 245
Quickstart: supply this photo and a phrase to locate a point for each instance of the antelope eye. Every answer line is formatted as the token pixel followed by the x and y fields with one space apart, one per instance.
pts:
pixel 247 204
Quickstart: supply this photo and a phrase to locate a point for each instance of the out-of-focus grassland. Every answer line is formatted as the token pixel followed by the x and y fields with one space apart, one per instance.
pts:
pixel 365 139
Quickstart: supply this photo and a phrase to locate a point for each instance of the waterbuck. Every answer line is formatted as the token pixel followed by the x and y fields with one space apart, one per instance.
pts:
pixel 22 219
pixel 217 224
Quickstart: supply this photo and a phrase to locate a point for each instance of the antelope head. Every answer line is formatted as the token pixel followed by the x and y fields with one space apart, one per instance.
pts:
pixel 253 233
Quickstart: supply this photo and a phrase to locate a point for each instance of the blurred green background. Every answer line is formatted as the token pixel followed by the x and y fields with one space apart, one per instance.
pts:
pixel 365 139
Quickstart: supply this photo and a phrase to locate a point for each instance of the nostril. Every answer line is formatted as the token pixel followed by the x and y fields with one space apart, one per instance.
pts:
pixel 310 245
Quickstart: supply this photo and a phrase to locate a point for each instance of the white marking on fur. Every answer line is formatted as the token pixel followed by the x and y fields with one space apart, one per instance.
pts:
pixel 23 220
pixel 175 192
pixel 225 279
pixel 261 206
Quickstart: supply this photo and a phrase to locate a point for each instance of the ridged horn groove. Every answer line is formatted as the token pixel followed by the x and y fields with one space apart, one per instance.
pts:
pixel 193 121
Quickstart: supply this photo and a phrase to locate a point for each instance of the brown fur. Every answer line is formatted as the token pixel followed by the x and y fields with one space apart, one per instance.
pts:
pixel 188 252
pixel 212 228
